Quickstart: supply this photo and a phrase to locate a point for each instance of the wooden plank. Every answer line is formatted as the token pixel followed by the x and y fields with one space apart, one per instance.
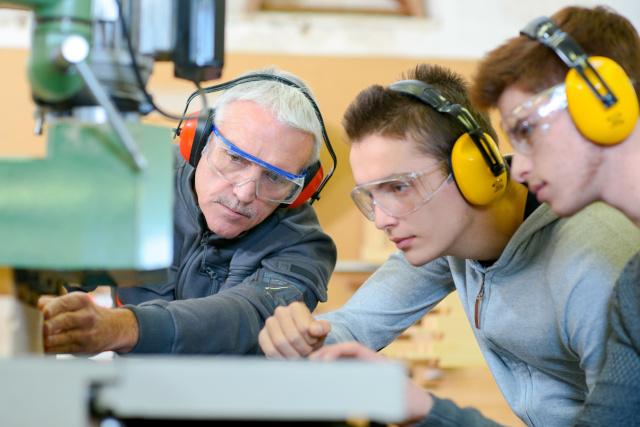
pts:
pixel 6 281
pixel 20 324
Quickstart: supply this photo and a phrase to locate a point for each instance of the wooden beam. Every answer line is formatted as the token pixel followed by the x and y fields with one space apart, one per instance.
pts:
pixel 6 281
pixel 20 324
pixel 412 7
pixel 402 7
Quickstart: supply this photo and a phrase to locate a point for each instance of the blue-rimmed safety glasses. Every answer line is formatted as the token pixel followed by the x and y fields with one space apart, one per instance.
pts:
pixel 529 121
pixel 238 167
pixel 399 195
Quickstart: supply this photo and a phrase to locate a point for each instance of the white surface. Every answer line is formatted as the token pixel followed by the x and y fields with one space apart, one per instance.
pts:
pixel 453 29
pixel 45 391
pixel 255 389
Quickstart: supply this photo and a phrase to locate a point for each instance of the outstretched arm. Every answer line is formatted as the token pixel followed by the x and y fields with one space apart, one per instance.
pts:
pixel 422 408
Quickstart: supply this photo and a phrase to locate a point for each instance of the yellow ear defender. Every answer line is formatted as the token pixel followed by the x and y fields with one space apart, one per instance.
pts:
pixel 478 168
pixel 600 96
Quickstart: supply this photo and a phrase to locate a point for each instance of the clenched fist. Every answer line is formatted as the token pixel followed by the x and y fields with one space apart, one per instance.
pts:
pixel 292 332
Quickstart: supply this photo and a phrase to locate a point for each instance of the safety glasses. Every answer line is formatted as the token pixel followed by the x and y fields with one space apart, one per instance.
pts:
pixel 239 167
pixel 529 121
pixel 399 195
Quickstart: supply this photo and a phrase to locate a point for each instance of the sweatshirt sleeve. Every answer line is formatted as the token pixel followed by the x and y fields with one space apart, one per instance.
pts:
pixel 445 413
pixel 229 321
pixel 395 297
pixel 585 307
pixel 615 399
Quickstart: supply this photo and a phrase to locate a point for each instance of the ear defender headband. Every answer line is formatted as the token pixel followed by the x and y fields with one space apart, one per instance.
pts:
pixel 478 168
pixel 600 96
pixel 197 128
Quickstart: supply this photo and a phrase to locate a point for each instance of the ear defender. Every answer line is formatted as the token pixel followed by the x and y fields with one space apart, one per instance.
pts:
pixel 479 182
pixel 195 129
pixel 478 168
pixel 602 124
pixel 194 134
pixel 600 96
pixel 312 181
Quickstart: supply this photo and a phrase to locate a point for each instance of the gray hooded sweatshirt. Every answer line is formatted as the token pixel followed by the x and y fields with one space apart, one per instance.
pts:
pixel 538 312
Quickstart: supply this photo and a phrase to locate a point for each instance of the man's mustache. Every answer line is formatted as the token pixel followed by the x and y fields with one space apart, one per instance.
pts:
pixel 236 206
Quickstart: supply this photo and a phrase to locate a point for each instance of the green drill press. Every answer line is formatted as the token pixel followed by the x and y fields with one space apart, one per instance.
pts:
pixel 98 208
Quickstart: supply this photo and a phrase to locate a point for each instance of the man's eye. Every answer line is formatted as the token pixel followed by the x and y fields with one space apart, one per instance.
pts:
pixel 401 187
pixel 397 187
pixel 273 177
pixel 522 130
pixel 234 157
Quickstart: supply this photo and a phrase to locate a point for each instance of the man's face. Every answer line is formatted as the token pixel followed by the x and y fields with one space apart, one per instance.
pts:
pixel 435 221
pixel 558 164
pixel 233 208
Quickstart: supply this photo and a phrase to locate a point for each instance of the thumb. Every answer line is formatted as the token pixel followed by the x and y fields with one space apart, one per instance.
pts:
pixel 44 300
pixel 319 328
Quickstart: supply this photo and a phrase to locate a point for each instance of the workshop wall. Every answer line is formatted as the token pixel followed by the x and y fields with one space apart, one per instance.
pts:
pixel 334 80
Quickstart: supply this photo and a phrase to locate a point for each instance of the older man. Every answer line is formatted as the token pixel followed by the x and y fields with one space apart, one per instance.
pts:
pixel 239 249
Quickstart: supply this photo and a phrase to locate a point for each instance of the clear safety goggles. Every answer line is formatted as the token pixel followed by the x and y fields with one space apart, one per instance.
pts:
pixel 238 167
pixel 398 195
pixel 529 121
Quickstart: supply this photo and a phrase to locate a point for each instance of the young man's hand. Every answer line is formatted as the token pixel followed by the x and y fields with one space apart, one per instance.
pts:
pixel 73 323
pixel 292 332
pixel 418 403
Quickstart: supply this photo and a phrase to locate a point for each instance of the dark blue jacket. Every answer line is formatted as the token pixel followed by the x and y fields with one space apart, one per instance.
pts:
pixel 220 291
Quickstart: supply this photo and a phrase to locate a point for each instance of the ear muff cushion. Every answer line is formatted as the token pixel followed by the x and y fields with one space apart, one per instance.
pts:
pixel 203 130
pixel 187 135
pixel 473 176
pixel 312 183
pixel 194 134
pixel 593 119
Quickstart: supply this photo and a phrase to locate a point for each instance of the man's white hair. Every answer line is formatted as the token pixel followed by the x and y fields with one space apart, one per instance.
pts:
pixel 287 103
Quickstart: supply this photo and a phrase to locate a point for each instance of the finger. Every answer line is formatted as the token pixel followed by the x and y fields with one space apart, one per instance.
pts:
pixel 57 343
pixel 44 300
pixel 303 321
pixel 296 335
pixel 68 342
pixel 342 351
pixel 81 319
pixel 327 353
pixel 266 345
pixel 319 329
pixel 281 344
pixel 71 302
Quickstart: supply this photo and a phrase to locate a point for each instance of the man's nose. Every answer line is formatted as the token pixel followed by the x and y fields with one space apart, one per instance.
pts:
pixel 381 219
pixel 520 167
pixel 245 191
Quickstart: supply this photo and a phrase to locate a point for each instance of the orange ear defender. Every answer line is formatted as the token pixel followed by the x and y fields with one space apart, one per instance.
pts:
pixel 600 96
pixel 194 131
pixel 194 135
pixel 478 168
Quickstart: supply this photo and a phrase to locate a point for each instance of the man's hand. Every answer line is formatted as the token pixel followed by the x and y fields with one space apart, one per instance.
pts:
pixel 292 332
pixel 347 350
pixel 419 402
pixel 73 323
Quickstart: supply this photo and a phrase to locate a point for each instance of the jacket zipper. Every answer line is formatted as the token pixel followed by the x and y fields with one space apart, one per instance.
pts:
pixel 479 304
